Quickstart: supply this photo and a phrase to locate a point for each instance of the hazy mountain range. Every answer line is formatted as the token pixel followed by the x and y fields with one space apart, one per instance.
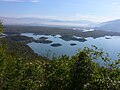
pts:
pixel 43 21
pixel 113 25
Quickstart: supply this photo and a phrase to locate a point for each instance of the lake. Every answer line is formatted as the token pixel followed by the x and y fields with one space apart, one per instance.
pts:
pixel 108 44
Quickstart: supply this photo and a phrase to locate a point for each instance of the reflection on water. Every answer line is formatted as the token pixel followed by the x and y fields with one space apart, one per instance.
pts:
pixel 112 46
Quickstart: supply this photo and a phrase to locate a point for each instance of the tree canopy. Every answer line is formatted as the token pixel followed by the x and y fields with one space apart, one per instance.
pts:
pixel 64 73
pixel 1 27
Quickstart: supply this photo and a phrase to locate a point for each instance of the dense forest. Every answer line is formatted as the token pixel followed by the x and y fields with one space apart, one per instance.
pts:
pixel 23 70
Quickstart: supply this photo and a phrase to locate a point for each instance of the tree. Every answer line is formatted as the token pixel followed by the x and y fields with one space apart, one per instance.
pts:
pixel 1 27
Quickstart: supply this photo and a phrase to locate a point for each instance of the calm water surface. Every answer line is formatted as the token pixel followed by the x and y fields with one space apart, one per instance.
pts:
pixel 112 46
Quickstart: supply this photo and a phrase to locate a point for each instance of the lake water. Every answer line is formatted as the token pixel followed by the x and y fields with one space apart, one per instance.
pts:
pixel 112 46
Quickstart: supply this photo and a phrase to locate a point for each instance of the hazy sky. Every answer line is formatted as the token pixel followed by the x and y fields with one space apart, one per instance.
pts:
pixel 94 10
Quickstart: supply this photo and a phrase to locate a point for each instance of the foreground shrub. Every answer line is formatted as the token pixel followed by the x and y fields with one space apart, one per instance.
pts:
pixel 80 72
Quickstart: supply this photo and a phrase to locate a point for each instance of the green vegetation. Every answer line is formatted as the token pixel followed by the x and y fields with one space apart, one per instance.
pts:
pixel 1 26
pixel 20 70
pixel 64 73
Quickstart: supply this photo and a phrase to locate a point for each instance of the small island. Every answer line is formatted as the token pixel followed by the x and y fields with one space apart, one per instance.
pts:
pixel 69 37
pixel 73 44
pixel 56 44
pixel 43 40
pixel 108 37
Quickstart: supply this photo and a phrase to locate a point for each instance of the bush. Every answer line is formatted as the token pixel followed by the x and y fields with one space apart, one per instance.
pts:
pixel 79 72
pixel 1 27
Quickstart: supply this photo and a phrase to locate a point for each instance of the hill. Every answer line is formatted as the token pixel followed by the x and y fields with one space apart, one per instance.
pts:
pixel 113 26
pixel 21 69
pixel 30 21
pixel 79 72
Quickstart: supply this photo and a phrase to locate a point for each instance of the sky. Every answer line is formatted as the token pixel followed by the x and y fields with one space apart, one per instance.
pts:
pixel 93 10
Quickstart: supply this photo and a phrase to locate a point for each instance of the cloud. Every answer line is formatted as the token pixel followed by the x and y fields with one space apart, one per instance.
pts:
pixel 75 17
pixel 20 0
pixel 93 18
pixel 115 4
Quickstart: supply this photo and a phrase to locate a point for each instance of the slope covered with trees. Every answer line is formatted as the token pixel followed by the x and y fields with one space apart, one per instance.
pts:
pixel 79 72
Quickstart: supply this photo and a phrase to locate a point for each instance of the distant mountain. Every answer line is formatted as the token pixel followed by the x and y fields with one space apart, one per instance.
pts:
pixel 113 25
pixel 43 22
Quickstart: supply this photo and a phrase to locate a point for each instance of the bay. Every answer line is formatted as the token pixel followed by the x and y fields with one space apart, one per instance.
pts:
pixel 110 45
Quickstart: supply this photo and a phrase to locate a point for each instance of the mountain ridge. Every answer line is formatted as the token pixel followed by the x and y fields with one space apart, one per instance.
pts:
pixel 113 25
pixel 44 21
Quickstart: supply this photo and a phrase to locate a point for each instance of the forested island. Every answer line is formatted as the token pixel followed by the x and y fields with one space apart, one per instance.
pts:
pixel 22 69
